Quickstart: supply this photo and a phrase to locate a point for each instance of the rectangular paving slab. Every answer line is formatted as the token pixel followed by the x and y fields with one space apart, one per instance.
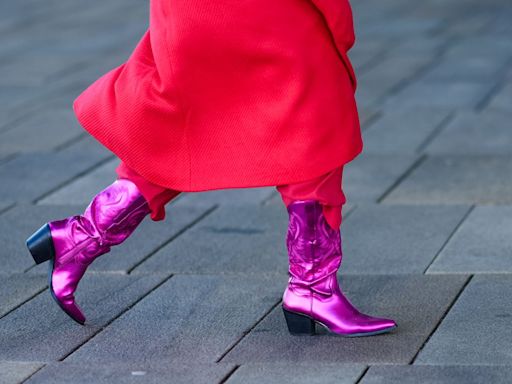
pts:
pixel 503 98
pixel 414 374
pixel 453 94
pixel 40 331
pixel 476 330
pixel 415 302
pixel 396 239
pixel 403 131
pixel 84 188
pixel 229 240
pixel 188 318
pixel 486 133
pixel 457 180
pixel 483 244
pixel 78 373
pixel 59 127
pixel 229 196
pixel 297 373
pixel 32 175
pixel 369 176
pixel 17 371
pixel 17 288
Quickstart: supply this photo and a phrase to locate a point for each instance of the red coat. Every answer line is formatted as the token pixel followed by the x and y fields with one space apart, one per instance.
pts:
pixel 229 94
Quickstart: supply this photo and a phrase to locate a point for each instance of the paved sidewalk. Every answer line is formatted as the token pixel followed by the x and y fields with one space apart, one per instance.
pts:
pixel 196 298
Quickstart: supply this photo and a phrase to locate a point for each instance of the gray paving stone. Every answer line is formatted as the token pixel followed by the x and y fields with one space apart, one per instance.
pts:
pixel 482 244
pixel 82 189
pixel 503 98
pixel 479 134
pixel 413 374
pixel 64 373
pixel 403 131
pixel 40 331
pixel 311 373
pixel 229 240
pixel 465 69
pixel 29 176
pixel 16 372
pixel 188 318
pixel 18 288
pixel 4 206
pixel 457 180
pixel 229 196
pixel 396 239
pixel 454 94
pixel 416 302
pixel 476 330
pixel 369 176
pixel 42 131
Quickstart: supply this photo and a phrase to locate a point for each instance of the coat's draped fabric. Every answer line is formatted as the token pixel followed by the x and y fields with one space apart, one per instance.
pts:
pixel 229 94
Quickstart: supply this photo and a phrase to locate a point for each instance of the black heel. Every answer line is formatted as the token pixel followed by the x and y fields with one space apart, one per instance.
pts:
pixel 40 244
pixel 299 324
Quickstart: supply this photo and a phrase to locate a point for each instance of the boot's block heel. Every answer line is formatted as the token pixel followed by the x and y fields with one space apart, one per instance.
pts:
pixel 299 324
pixel 40 244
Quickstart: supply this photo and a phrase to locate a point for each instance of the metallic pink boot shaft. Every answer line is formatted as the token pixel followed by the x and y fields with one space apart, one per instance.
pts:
pixel 72 244
pixel 313 294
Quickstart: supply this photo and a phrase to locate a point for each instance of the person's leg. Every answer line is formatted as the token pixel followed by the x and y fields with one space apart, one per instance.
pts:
pixel 155 195
pixel 327 189
pixel 73 243
pixel 314 247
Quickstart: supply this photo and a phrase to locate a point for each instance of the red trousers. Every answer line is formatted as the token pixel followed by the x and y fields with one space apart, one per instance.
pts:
pixel 327 189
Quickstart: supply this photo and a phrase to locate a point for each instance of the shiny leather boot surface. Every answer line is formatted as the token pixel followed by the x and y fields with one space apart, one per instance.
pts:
pixel 313 295
pixel 73 243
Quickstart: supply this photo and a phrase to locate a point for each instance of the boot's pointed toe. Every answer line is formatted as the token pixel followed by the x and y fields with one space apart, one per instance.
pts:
pixel 72 244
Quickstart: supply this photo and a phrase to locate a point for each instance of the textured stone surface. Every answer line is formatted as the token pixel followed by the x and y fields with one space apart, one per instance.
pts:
pixel 16 372
pixel 503 99
pixel 230 196
pixel 17 288
pixel 41 331
pixel 188 318
pixel 454 94
pixel 415 302
pixel 368 177
pixel 412 126
pixel 64 373
pixel 482 244
pixel 311 373
pixel 230 239
pixel 457 180
pixel 83 189
pixel 59 127
pixel 476 330
pixel 30 176
pixel 396 239
pixel 480 134
pixel 437 374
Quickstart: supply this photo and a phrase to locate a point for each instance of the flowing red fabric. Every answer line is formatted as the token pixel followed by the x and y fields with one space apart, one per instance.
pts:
pixel 229 94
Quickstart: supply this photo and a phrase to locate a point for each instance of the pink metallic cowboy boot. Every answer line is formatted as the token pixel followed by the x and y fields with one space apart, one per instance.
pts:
pixel 313 295
pixel 73 243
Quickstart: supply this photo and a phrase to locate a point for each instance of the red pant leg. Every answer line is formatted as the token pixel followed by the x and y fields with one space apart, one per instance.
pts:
pixel 326 188
pixel 155 195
